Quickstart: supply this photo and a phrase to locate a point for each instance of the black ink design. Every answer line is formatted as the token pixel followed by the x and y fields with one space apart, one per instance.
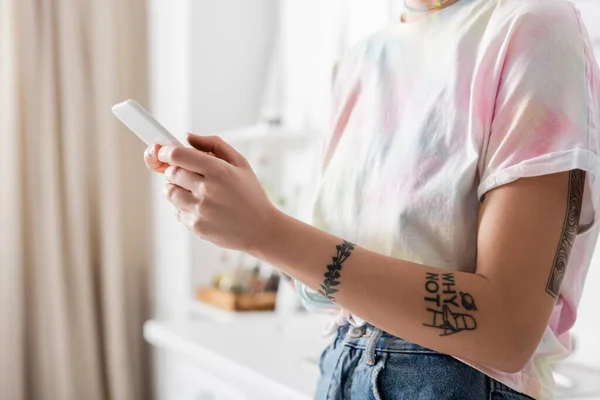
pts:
pixel 570 225
pixel 450 322
pixel 446 313
pixel 455 322
pixel 468 302
pixel 332 275
pixel 448 284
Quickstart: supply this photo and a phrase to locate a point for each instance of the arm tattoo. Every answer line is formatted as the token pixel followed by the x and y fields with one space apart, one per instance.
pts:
pixel 332 275
pixel 569 231
pixel 450 310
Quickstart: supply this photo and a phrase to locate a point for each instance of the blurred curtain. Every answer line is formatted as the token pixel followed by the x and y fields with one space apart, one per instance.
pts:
pixel 74 209
pixel 308 53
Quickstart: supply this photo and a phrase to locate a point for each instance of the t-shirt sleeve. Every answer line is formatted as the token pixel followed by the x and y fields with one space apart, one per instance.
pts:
pixel 545 117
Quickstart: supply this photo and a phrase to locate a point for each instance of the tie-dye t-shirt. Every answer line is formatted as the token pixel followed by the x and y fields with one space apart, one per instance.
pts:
pixel 430 115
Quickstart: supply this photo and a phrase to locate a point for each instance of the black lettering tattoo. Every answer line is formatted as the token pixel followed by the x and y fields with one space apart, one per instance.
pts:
pixel 446 314
pixel 431 275
pixel 449 284
pixel 452 301
pixel 569 231
pixel 332 275
pixel 432 286
pixel 435 300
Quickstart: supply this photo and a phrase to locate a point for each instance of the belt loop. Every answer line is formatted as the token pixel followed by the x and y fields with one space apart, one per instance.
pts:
pixel 371 345
pixel 356 332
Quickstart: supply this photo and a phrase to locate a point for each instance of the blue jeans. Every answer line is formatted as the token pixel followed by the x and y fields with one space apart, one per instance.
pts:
pixel 368 364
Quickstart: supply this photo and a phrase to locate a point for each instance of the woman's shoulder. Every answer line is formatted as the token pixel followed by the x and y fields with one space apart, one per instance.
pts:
pixel 552 13
pixel 553 25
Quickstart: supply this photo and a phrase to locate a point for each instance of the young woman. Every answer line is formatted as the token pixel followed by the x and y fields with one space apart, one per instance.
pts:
pixel 455 221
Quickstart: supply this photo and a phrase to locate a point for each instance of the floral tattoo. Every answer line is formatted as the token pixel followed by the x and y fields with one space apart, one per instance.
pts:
pixel 332 276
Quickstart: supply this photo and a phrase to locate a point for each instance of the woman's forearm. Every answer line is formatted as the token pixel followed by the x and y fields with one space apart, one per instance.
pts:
pixel 456 313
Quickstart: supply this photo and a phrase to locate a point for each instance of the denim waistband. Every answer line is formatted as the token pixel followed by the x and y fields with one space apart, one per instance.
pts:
pixel 369 337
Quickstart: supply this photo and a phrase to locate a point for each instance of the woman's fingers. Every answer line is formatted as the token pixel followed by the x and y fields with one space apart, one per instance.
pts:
pixel 180 198
pixel 186 218
pixel 217 146
pixel 183 178
pixel 152 161
pixel 190 159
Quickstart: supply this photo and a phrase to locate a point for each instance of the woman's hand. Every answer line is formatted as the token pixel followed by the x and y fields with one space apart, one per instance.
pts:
pixel 215 193
pixel 152 161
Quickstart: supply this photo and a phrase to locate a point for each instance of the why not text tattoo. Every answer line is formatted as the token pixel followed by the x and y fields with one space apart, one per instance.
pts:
pixel 450 310
pixel 569 231
pixel 332 275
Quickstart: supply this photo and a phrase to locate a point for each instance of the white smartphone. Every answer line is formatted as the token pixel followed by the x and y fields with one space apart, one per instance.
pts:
pixel 144 125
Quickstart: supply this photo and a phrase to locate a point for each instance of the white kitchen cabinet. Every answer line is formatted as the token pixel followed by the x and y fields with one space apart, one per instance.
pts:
pixel 195 384
pixel 259 356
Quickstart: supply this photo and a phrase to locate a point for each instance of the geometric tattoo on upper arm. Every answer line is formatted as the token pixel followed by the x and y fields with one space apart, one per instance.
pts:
pixel 332 275
pixel 569 231
pixel 450 311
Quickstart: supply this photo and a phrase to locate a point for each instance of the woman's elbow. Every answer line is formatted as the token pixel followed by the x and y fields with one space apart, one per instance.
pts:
pixel 515 353
pixel 512 365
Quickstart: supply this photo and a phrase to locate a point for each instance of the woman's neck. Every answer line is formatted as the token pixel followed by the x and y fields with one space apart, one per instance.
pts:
pixel 411 16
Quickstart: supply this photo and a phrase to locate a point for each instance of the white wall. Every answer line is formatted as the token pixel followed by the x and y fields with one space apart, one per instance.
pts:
pixel 207 68
pixel 230 46
pixel 169 30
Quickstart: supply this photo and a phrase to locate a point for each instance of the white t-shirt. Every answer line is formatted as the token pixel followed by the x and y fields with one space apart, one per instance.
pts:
pixel 431 115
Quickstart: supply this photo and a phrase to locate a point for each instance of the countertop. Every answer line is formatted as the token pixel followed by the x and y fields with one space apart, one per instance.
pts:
pixel 255 352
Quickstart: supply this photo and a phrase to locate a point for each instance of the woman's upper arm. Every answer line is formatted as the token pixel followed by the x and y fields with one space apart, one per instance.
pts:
pixel 526 231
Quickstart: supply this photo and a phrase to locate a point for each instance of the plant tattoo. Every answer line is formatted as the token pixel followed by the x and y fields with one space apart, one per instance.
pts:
pixel 559 267
pixel 332 275
pixel 447 314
